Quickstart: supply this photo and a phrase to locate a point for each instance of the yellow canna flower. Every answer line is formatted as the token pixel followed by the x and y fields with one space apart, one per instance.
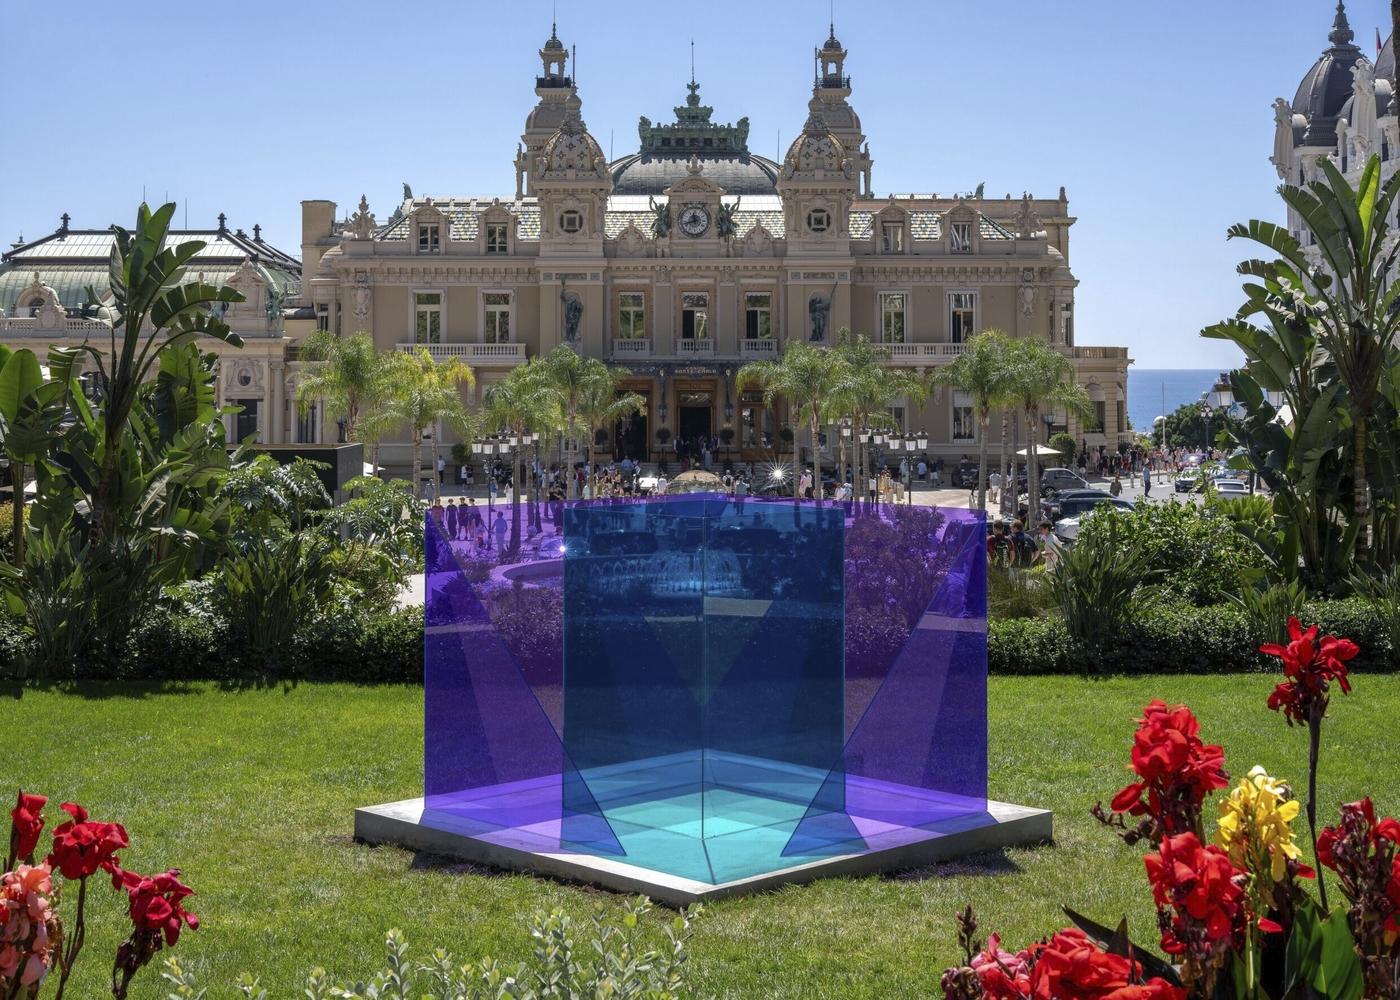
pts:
pixel 1256 825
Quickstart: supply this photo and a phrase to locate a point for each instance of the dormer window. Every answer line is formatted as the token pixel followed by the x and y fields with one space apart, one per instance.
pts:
pixel 497 237
pixel 429 238
pixel 961 237
pixel 892 237
pixel 818 220
pixel 571 221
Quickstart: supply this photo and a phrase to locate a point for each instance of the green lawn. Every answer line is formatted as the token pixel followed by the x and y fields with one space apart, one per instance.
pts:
pixel 251 794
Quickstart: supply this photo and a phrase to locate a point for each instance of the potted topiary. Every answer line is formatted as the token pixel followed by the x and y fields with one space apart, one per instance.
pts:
pixel 662 436
pixel 726 437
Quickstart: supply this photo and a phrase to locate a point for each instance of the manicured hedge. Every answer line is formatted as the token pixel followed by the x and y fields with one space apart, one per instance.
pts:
pixel 388 648
pixel 1165 639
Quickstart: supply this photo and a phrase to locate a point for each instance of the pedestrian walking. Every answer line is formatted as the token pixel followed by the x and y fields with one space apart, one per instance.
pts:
pixel 1146 481
pixel 501 528
pixel 1115 488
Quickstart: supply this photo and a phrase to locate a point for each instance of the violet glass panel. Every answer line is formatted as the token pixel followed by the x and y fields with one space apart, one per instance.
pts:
pixel 708 688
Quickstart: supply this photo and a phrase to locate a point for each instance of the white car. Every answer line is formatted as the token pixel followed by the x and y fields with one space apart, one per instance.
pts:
pixel 647 483
pixel 1231 488
pixel 1067 529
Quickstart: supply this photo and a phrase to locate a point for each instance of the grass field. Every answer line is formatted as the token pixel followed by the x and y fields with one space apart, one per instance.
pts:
pixel 251 794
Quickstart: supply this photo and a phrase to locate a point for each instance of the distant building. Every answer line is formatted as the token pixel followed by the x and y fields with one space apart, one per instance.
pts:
pixel 694 254
pixel 56 289
pixel 1344 110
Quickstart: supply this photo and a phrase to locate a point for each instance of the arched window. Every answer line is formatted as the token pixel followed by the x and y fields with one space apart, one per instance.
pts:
pixel 34 306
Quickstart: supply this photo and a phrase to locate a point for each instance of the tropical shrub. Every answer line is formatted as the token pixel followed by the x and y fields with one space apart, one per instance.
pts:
pixel 1382 596
pixel 1096 580
pixel 597 959
pixel 1235 919
pixel 1195 550
pixel 36 944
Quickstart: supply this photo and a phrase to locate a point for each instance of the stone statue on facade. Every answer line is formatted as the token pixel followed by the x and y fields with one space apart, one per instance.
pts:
pixel 819 310
pixel 1027 222
pixel 661 218
pixel 573 313
pixel 360 296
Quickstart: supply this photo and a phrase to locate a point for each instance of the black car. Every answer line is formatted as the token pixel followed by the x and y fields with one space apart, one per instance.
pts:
pixel 1086 500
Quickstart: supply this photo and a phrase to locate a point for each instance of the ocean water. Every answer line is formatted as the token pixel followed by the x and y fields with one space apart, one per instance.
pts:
pixel 1158 391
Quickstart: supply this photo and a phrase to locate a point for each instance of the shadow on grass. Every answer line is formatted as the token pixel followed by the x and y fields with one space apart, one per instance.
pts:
pixel 98 690
pixel 990 863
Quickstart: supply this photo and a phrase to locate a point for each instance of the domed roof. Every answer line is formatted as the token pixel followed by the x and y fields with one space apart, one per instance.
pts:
pixel 553 44
pixel 653 173
pixel 571 149
pixel 833 44
pixel 1326 87
pixel 815 150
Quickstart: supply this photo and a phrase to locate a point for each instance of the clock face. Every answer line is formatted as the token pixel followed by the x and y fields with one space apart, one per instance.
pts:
pixel 694 220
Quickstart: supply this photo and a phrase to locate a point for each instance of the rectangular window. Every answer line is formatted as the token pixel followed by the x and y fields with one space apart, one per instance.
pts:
pixel 758 315
pixel 1098 415
pixel 306 425
pixel 695 315
pixel 427 317
pixel 1067 324
pixel 962 237
pixel 892 237
pixel 962 318
pixel 497 237
pixel 323 316
pixel 428 241
pixel 245 422
pixel 496 325
pixel 964 420
pixel 631 316
pixel 892 317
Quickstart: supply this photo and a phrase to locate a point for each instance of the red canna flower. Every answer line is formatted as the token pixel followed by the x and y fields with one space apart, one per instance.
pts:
pixel 1177 770
pixel 1310 665
pixel 156 902
pixel 1071 966
pixel 81 847
pixel 1362 850
pixel 26 823
pixel 1200 901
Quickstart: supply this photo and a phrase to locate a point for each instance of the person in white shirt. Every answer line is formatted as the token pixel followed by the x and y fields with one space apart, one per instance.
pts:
pixel 994 485
pixel 661 484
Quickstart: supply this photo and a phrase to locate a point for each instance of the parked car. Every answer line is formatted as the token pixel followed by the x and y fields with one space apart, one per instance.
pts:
pixel 1231 488
pixel 1050 506
pixel 1078 505
pixel 1058 480
pixel 1067 529
pixel 1189 481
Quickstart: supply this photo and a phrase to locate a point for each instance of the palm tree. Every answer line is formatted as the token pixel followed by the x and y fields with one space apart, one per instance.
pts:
pixel 1039 376
pixel 601 405
pixel 983 371
pixel 525 401
pixel 1351 302
pixel 870 388
pixel 810 379
pixel 353 379
pixel 426 392
pixel 571 378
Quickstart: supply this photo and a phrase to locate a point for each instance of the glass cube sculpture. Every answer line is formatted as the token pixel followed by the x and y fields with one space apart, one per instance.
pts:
pixel 711 688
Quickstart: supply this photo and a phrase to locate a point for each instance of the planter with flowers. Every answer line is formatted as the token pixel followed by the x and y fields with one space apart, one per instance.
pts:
pixel 37 946
pixel 1234 914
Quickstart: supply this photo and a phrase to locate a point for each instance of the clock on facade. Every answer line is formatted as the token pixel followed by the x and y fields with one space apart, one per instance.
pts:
pixel 694 220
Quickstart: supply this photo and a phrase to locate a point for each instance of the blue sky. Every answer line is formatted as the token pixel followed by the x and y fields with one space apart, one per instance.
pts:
pixel 1159 127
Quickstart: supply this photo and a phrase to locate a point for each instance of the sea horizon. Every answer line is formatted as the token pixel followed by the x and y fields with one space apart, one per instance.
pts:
pixel 1159 391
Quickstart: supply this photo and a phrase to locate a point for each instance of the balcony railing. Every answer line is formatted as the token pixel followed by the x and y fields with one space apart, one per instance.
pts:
pixel 904 354
pixel 697 348
pixel 765 347
pixel 1102 353
pixel 476 354
pixel 632 347
pixel 28 326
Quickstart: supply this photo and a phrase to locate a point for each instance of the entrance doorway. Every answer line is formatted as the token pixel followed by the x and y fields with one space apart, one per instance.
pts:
pixel 696 414
pixel 630 434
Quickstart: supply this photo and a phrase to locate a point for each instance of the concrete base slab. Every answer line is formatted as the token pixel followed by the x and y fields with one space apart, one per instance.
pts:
pixel 409 824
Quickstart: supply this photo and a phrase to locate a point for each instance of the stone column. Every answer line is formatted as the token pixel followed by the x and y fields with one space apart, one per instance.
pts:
pixel 276 401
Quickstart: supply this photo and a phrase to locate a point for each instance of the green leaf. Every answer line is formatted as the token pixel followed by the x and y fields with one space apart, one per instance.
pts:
pixel 18 380
pixel 1338 975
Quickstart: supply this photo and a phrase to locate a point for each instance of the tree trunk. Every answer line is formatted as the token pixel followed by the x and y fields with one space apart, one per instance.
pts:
pixel 417 460
pixel 516 479
pixel 1032 465
pixel 1004 469
pixel 816 462
pixel 1361 491
pixel 374 455
pixel 983 423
